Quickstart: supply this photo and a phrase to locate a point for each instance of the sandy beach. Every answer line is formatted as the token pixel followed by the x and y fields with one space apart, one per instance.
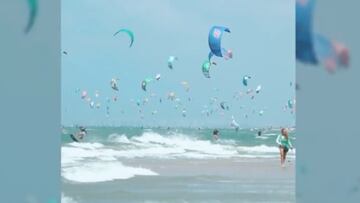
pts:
pixel 187 180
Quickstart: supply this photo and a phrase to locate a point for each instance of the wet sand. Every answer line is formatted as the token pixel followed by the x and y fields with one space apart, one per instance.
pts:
pixel 188 180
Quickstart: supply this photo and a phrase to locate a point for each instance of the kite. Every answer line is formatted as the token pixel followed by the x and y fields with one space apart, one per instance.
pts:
pixel 224 106
pixel 129 33
pixel 313 48
pixel 215 36
pixel 114 85
pixel 145 82
pixel 33 10
pixel 245 80
pixel 258 88
pixel 206 68
pixel 171 61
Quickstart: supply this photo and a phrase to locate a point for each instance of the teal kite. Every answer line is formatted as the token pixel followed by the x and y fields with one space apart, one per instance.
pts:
pixel 245 80
pixel 129 33
pixel 171 61
pixel 206 68
pixel 290 104
pixel 145 82
pixel 33 8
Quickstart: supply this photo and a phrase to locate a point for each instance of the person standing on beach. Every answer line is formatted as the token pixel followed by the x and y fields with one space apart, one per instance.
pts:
pixel 284 145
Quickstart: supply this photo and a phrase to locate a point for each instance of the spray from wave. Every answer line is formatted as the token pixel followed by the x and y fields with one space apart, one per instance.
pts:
pixel 65 199
pixel 97 162
pixel 102 171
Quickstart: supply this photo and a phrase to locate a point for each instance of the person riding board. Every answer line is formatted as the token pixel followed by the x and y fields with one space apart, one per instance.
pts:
pixel 82 133
pixel 216 134
pixel 79 135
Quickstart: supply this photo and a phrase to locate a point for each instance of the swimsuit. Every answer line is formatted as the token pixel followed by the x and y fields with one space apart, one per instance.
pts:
pixel 283 142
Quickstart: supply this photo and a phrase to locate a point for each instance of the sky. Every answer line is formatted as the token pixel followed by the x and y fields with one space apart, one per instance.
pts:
pixel 262 39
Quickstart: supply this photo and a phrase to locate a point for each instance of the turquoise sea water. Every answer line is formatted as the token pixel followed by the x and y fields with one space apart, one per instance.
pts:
pixel 243 137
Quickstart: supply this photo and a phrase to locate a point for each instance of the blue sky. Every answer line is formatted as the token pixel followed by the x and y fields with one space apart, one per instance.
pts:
pixel 262 39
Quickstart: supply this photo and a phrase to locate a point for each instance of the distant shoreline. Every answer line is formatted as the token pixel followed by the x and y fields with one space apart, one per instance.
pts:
pixel 183 127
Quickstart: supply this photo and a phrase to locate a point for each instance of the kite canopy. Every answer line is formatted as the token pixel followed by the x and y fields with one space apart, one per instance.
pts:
pixel 233 123
pixel 313 48
pixel 228 54
pixel 290 104
pixel 33 10
pixel 129 33
pixel 84 94
pixel 342 54
pixel 183 113
pixel 249 91
pixel 261 113
pixel 92 104
pixel 171 61
pixel 305 51
pixel 206 68
pixel 145 82
pixel 114 85
pixel 245 80
pixel 186 85
pixel 145 100
pixel 107 111
pixel 331 53
pixel 258 89
pixel 172 96
pixel 215 35
pixel 224 106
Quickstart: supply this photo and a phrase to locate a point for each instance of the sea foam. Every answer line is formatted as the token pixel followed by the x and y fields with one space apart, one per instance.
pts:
pixel 97 162
pixel 99 171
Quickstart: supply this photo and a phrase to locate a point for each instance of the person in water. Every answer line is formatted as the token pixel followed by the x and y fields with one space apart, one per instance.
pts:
pixel 284 145
pixel 82 133
pixel 215 134
pixel 78 136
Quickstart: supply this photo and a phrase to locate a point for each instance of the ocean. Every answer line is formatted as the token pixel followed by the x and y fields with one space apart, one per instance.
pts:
pixel 156 165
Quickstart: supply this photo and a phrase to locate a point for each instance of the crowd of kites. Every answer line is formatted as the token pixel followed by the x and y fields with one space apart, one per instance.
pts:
pixel 215 105
pixel 311 48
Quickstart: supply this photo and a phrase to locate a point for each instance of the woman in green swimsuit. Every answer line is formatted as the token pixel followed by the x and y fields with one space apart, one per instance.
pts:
pixel 284 145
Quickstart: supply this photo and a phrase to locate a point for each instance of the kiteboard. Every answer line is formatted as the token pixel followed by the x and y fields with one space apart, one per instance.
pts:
pixel 72 136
